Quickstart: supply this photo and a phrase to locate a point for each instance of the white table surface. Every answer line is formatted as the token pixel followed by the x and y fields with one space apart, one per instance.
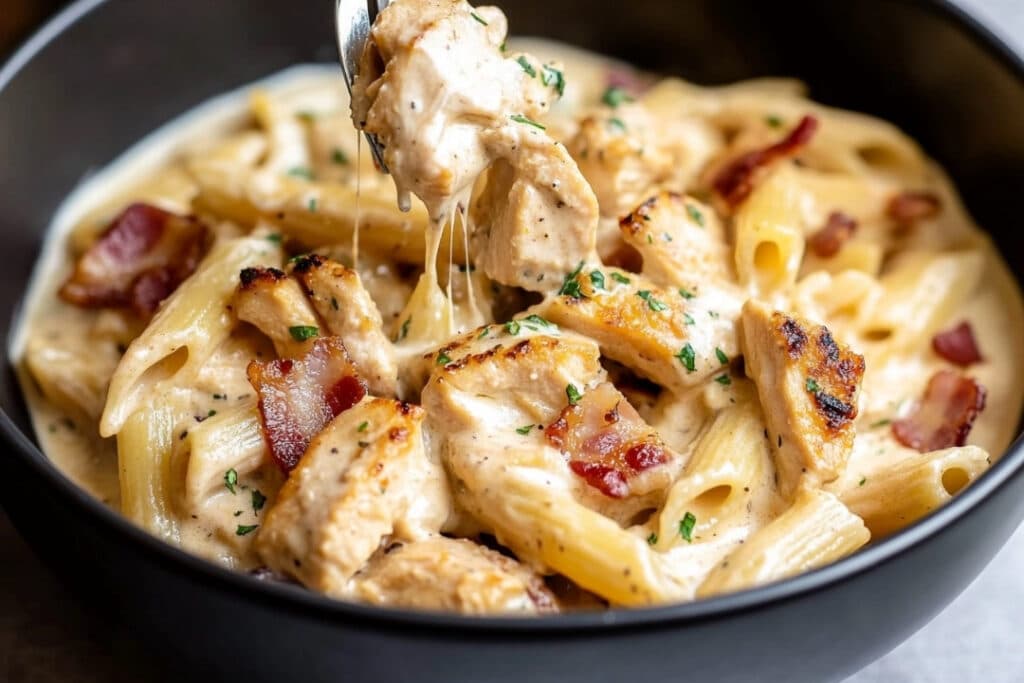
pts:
pixel 978 637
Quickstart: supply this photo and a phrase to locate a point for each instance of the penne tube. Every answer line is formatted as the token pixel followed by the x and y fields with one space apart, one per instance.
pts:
pixel 144 448
pixel 231 439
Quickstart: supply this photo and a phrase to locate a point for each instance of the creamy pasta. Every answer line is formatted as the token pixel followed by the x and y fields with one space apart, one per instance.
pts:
pixel 631 341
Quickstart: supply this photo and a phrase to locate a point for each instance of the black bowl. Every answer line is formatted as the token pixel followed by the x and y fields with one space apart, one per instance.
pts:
pixel 102 74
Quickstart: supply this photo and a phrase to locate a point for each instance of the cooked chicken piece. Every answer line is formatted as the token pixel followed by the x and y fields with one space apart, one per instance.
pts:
pixel 681 241
pixel 363 480
pixel 675 338
pixel 447 104
pixel 348 311
pixel 275 305
pixel 808 385
pixel 625 152
pixel 454 575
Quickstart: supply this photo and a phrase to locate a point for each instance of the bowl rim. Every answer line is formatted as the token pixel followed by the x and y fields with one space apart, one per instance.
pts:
pixel 303 602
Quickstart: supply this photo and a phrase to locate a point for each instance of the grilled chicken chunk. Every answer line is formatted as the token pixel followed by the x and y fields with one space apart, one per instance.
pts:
pixel 682 242
pixel 346 308
pixel 456 575
pixel 275 305
pixel 364 479
pixel 669 336
pixel 808 385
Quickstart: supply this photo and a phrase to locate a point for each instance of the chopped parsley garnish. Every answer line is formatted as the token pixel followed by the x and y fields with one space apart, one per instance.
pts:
pixel 650 239
pixel 512 327
pixel 334 303
pixel 652 303
pixel 773 120
pixel 230 479
pixel 695 214
pixel 504 46
pixel 403 331
pixel 527 67
pixel 686 294
pixel 880 423
pixel 720 355
pixel 519 118
pixel 619 277
pixel 258 500
pixel 667 237
pixel 688 358
pixel 597 279
pixel 363 444
pixel 713 314
pixel 686 525
pixel 524 430
pixel 862 480
pixel 339 157
pixel 652 539
pixel 478 18
pixel 614 96
pixel 244 529
pixel 483 334
pixel 573 393
pixel 535 322
pixel 570 286
pixel 812 386
pixel 616 122
pixel 724 380
pixel 549 75
pixel 300 172
pixel 312 204
pixel 274 237
pixel 362 426
pixel 443 358
pixel 688 319
pixel 211 413
pixel 301 333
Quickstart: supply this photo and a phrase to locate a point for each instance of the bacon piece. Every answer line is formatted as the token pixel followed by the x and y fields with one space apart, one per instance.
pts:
pixel 297 398
pixel 606 440
pixel 736 180
pixel 138 261
pixel 943 418
pixel 827 241
pixel 907 208
pixel 957 345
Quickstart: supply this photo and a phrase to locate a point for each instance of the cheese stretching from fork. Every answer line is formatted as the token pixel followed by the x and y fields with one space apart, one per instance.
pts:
pixel 448 104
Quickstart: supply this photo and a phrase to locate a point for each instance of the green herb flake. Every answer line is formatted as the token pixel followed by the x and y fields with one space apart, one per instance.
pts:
pixel 362 426
pixel 339 157
pixel 652 539
pixel 597 279
pixel 686 294
pixel 550 75
pixel 479 19
pixel 686 525
pixel 724 380
pixel 773 120
pixel 713 314
pixel 274 237
pixel 443 358
pixel 301 333
pixel 695 214
pixel 880 423
pixel 300 172
pixel 570 286
pixel 617 123
pixel 667 237
pixel 811 386
pixel 524 430
pixel 246 529
pixel 483 334
pixel 363 444
pixel 862 481
pixel 614 96
pixel 504 46
pixel 688 358
pixel 652 303
pixel 619 277
pixel 312 204
pixel 519 118
pixel 536 323
pixel 403 331
pixel 688 319
pixel 573 393
pixel 258 500
pixel 512 327
pixel 211 413
pixel 231 479
pixel 527 67
pixel 720 355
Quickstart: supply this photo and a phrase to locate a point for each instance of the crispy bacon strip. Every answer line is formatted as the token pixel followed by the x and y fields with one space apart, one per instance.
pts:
pixel 138 261
pixel 907 208
pixel 297 398
pixel 826 242
pixel 737 179
pixel 606 440
pixel 944 416
pixel 957 345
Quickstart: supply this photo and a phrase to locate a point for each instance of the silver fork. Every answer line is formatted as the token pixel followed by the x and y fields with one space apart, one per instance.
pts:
pixel 353 19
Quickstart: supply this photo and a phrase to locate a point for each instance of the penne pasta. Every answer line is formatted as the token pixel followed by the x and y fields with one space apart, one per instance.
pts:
pixel 144 448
